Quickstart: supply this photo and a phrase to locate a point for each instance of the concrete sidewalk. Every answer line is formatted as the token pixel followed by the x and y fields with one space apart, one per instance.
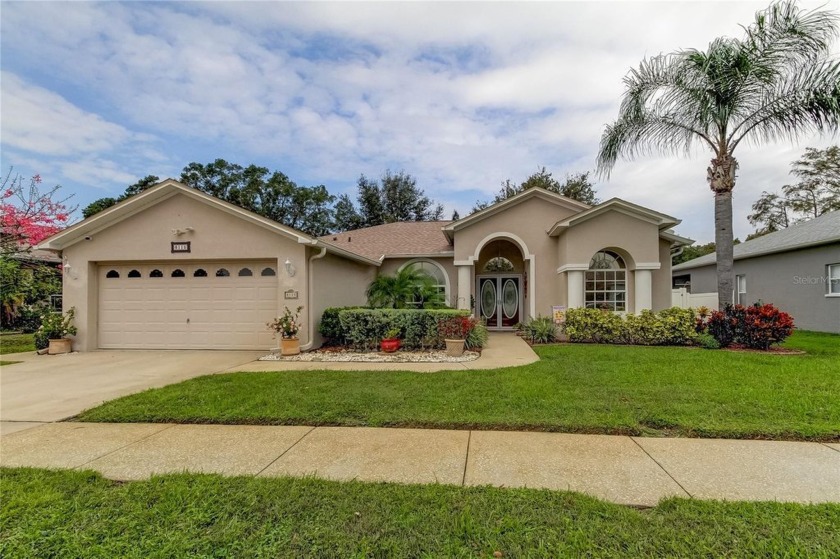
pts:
pixel 628 470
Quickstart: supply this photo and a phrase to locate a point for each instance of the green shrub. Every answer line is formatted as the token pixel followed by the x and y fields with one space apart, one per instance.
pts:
pixel 477 337
pixel 540 330
pixel 363 329
pixel 707 341
pixel 672 326
pixel 680 325
pixel 593 325
pixel 330 326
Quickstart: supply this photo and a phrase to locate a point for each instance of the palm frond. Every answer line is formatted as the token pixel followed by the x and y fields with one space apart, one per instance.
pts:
pixel 805 102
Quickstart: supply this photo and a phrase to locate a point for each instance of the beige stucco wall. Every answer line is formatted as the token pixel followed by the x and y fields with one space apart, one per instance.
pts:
pixel 337 282
pixel 392 265
pixel 146 236
pixel 613 230
pixel 635 240
pixel 662 278
pixel 529 221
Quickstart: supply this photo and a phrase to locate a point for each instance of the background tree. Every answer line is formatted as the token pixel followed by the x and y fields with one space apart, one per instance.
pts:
pixel 270 194
pixel 576 186
pixel 769 214
pixel 817 192
pixel 818 189
pixel 395 197
pixel 777 82
pixel 28 215
pixel 104 203
pixel 692 252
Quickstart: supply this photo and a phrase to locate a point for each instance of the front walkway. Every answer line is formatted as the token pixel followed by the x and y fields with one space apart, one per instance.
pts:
pixel 628 470
pixel 504 349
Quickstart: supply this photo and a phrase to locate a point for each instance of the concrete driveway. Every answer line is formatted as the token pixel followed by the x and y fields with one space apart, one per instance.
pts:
pixel 44 388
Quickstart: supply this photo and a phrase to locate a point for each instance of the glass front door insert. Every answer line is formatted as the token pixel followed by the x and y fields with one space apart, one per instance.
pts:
pixel 500 299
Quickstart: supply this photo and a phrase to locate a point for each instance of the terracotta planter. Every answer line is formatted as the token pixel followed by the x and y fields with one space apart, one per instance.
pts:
pixel 289 346
pixel 454 348
pixel 62 345
pixel 390 345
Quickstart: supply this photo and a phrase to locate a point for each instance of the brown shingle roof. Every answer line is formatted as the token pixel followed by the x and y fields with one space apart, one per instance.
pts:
pixel 401 238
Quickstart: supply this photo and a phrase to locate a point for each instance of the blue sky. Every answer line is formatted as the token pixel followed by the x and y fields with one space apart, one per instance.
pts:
pixel 460 95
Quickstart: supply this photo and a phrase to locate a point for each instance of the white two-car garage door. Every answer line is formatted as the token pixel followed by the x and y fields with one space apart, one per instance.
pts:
pixel 202 305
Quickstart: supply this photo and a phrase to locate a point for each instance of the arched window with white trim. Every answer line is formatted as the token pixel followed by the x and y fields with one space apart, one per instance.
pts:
pixel 434 271
pixel 605 286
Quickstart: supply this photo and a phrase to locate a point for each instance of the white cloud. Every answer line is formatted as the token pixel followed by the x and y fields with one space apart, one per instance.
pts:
pixel 38 120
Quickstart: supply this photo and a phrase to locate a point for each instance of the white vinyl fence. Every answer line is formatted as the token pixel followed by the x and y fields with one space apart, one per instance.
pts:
pixel 683 299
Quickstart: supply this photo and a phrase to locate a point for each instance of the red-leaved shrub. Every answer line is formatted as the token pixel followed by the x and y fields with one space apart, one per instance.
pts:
pixel 765 325
pixel 757 326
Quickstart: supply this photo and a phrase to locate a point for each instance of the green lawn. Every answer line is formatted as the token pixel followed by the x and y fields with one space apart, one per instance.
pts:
pixel 573 388
pixel 16 343
pixel 4 363
pixel 79 514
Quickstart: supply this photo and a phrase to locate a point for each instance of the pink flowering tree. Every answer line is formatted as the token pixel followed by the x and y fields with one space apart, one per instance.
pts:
pixel 29 215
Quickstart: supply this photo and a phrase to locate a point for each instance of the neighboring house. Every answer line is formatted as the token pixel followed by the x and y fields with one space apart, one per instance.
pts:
pixel 797 269
pixel 175 268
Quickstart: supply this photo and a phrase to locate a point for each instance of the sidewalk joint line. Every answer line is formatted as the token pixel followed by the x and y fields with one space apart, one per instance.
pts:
pixel 170 426
pixel 282 454
pixel 655 461
pixel 830 447
pixel 466 458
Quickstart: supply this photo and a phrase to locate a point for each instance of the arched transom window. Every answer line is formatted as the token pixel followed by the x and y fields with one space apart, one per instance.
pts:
pixel 606 282
pixel 435 272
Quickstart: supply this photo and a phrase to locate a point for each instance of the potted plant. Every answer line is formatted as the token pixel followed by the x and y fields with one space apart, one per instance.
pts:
pixel 288 327
pixel 391 342
pixel 455 331
pixel 55 328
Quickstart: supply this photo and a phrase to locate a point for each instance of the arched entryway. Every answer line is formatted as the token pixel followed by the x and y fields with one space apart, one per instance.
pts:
pixel 501 284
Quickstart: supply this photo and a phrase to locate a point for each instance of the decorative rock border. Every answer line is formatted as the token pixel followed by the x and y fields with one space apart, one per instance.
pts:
pixel 374 357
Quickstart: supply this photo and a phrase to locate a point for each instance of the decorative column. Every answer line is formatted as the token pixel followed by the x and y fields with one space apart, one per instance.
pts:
pixel 464 287
pixel 644 290
pixel 574 285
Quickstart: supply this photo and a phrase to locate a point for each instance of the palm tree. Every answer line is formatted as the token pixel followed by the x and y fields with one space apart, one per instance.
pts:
pixel 777 82
pixel 408 286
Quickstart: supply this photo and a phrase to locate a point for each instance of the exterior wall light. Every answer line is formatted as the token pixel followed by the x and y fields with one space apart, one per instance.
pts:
pixel 290 268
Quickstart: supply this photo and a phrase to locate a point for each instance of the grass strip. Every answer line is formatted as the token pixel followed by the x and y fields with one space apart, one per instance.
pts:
pixel 79 514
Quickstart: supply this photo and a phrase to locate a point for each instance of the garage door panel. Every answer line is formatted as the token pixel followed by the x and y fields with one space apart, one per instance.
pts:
pixel 187 312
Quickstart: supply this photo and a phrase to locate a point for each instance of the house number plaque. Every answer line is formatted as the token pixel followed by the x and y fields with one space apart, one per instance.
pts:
pixel 290 294
pixel 180 246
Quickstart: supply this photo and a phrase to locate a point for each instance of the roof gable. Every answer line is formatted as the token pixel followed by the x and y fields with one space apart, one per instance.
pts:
pixel 150 197
pixel 662 221
pixel 164 191
pixel 498 207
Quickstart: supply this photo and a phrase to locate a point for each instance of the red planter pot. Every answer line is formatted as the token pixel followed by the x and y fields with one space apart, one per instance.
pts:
pixel 391 345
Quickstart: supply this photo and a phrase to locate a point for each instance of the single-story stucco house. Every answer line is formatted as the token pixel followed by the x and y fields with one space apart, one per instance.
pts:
pixel 797 269
pixel 174 268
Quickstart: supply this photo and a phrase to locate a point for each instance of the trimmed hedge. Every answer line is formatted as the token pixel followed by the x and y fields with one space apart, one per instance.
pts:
pixel 330 326
pixel 363 329
pixel 674 326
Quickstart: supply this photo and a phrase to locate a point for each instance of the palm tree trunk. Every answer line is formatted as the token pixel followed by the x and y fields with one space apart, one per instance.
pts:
pixel 722 182
pixel 724 247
